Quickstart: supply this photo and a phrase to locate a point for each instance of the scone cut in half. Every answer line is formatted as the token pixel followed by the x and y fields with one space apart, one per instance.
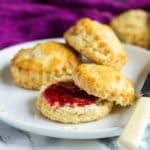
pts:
pixel 97 42
pixel 45 63
pixel 133 27
pixel 66 103
pixel 90 96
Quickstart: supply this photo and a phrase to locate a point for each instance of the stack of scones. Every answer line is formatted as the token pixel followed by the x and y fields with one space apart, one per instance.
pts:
pixel 72 91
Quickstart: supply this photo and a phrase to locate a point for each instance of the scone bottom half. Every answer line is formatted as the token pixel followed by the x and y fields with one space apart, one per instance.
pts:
pixel 46 63
pixel 106 83
pixel 66 103
pixel 97 42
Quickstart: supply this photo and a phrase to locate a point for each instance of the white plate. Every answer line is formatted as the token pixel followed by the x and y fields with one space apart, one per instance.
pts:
pixel 17 105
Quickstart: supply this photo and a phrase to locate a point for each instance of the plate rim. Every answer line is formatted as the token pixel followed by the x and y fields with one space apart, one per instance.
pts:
pixel 115 131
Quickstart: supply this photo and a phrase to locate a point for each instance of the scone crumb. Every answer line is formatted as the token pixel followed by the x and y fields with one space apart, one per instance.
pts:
pixel 37 116
pixel 69 127
pixel 2 110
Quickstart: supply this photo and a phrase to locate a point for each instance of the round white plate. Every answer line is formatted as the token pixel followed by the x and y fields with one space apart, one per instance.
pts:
pixel 17 105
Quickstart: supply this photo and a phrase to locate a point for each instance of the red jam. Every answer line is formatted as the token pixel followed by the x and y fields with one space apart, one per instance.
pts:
pixel 67 93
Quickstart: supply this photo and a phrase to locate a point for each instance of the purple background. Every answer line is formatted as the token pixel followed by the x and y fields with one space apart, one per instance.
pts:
pixel 25 20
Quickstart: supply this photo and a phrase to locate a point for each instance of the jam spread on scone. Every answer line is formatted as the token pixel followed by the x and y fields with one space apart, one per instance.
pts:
pixel 67 93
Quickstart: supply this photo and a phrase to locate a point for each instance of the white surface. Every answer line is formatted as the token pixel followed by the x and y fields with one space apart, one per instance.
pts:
pixel 17 105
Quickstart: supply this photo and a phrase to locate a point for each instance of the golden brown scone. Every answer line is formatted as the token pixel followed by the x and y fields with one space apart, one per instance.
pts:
pixel 97 42
pixel 45 63
pixel 73 114
pixel 105 82
pixel 133 27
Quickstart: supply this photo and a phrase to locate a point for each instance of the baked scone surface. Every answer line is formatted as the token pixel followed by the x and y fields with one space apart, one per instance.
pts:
pixel 133 27
pixel 97 42
pixel 105 82
pixel 64 102
pixel 45 63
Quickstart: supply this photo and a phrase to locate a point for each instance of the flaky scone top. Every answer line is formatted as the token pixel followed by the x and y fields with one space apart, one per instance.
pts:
pixel 97 42
pixel 47 56
pixel 105 82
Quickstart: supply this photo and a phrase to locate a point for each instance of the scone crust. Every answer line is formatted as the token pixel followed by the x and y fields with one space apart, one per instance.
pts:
pixel 97 42
pixel 47 62
pixel 133 27
pixel 73 115
pixel 105 82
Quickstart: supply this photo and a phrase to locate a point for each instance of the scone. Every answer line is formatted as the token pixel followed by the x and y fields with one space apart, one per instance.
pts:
pixel 106 83
pixel 97 42
pixel 133 27
pixel 66 103
pixel 45 63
